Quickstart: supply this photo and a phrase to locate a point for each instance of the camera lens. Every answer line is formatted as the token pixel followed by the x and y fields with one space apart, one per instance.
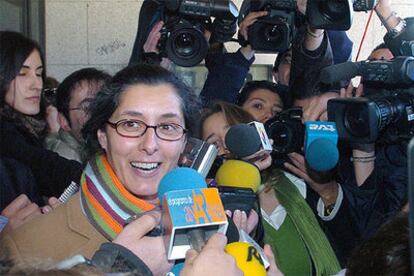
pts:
pixel 273 33
pixel 184 44
pixel 356 121
pixel 333 10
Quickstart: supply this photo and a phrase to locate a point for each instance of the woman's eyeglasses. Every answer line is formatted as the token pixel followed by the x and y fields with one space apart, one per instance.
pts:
pixel 136 128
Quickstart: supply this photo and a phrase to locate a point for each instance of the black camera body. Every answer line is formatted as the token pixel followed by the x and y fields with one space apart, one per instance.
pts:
pixel 388 115
pixel 288 132
pixel 335 15
pixel 182 37
pixel 274 32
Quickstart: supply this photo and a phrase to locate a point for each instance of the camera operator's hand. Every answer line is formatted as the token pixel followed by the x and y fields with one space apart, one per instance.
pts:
pixel 212 260
pixel 298 166
pixel 327 191
pixel 150 45
pixel 349 91
pixel 316 108
pixel 150 250
pixel 249 20
pixel 386 14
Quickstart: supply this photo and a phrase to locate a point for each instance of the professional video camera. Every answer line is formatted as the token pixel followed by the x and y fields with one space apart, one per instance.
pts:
pixel 288 132
pixel 336 14
pixel 275 31
pixel 182 37
pixel 388 114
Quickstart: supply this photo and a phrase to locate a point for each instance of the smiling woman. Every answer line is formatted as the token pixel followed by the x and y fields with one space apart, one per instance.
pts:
pixel 136 133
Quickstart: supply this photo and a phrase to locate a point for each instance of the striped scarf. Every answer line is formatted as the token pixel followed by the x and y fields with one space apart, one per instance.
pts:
pixel 105 201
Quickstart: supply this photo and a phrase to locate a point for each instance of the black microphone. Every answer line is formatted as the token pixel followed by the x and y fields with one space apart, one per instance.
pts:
pixel 242 140
pixel 341 71
pixel 248 142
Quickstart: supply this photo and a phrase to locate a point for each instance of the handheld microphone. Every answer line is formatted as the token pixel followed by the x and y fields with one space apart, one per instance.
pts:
pixel 247 258
pixel 397 71
pixel 191 212
pixel 238 174
pixel 238 182
pixel 198 155
pixel 247 141
pixel 321 152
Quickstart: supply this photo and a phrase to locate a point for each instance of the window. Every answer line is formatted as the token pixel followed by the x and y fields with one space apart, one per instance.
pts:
pixel 24 16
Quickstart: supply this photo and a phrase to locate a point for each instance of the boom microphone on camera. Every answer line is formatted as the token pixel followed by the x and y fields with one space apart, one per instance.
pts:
pixel 398 71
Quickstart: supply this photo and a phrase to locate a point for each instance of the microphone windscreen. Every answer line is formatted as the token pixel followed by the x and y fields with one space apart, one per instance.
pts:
pixel 238 174
pixel 247 258
pixel 338 72
pixel 180 179
pixel 242 140
pixel 322 155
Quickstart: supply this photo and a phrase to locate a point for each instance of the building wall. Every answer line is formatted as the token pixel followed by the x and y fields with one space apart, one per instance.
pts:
pixel 101 33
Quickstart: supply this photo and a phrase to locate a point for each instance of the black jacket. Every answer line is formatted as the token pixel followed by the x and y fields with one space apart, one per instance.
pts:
pixel 16 179
pixel 52 172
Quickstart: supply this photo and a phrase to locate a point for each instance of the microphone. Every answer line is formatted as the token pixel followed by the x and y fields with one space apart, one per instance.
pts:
pixel 247 141
pixel 321 152
pixel 198 155
pixel 191 212
pixel 238 182
pixel 397 71
pixel 341 71
pixel 238 174
pixel 247 257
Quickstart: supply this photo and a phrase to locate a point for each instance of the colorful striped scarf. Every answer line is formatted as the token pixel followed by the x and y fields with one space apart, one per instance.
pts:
pixel 105 200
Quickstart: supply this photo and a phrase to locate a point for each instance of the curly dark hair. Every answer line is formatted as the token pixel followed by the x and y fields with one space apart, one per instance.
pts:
pixel 107 100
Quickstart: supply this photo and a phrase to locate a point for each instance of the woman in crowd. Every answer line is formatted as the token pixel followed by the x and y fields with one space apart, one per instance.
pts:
pixel 290 226
pixel 263 99
pixel 21 130
pixel 137 130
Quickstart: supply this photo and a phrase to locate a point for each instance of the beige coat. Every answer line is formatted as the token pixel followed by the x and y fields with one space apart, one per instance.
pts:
pixel 56 236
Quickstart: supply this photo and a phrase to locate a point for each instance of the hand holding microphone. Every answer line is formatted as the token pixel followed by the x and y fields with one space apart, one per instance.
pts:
pixel 191 211
pixel 212 260
pixel 150 250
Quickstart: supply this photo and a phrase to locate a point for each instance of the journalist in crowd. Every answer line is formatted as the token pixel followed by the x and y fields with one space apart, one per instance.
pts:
pixel 290 225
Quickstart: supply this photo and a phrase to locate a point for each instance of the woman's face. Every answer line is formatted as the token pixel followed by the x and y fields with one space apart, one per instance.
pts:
pixel 23 93
pixel 215 129
pixel 263 104
pixel 141 162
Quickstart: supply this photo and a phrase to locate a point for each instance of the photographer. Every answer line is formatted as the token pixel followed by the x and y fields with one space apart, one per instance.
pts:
pixel 228 71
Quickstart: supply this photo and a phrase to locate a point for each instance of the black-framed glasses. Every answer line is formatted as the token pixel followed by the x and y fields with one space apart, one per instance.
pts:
pixel 136 128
